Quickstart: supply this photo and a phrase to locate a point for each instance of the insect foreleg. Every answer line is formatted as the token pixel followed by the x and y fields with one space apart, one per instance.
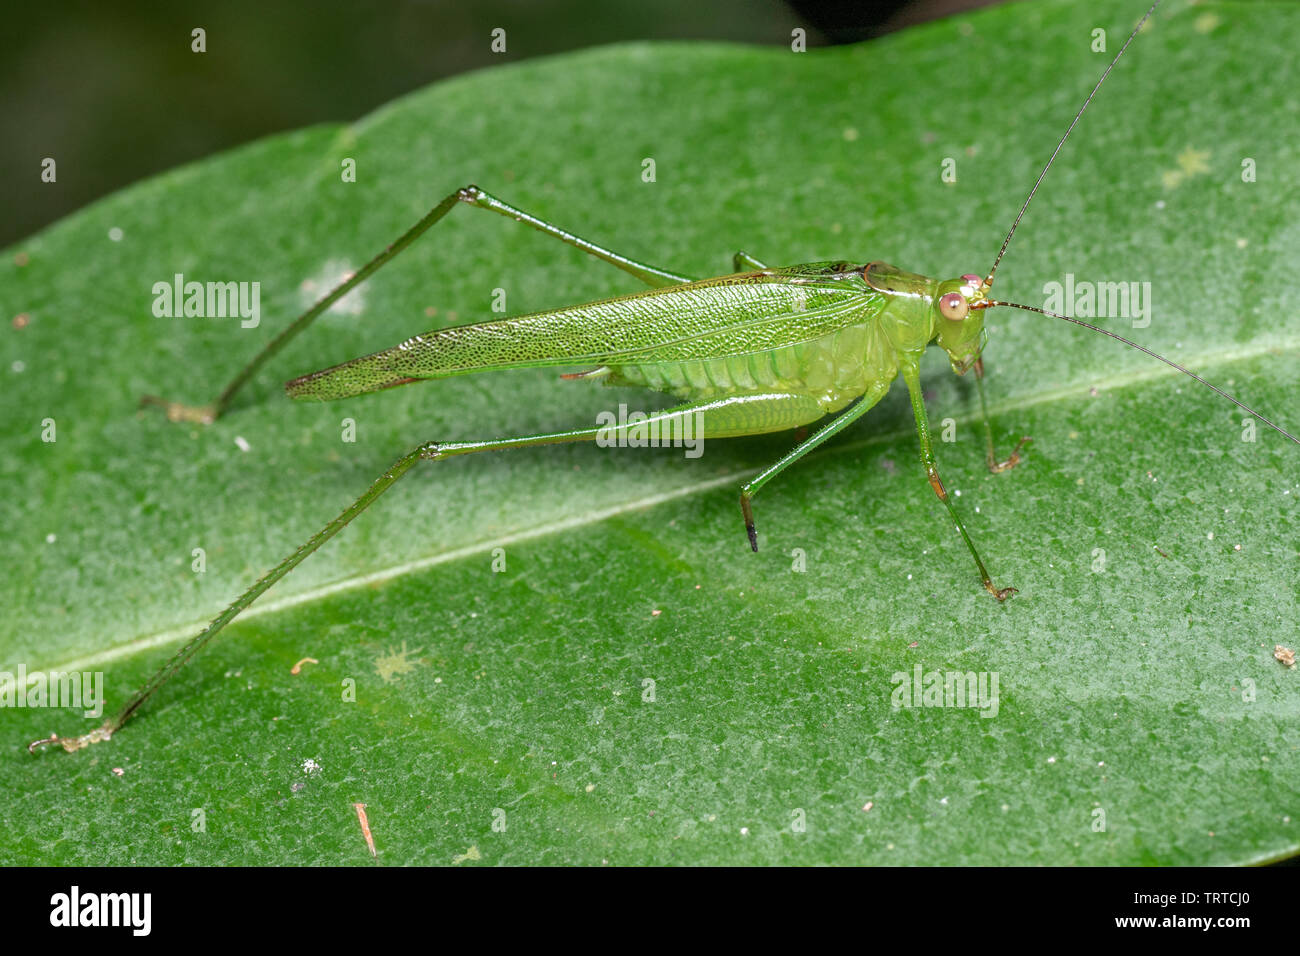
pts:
pixel 851 414
pixel 990 456
pixel 206 414
pixel 912 376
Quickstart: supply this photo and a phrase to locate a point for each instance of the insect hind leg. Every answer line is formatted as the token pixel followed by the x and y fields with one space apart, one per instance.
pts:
pixel 721 418
pixel 470 195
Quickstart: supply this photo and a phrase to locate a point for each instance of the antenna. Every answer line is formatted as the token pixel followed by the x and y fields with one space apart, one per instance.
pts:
pixel 1074 122
pixel 989 303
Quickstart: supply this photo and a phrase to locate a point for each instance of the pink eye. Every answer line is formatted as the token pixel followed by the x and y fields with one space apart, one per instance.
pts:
pixel 953 306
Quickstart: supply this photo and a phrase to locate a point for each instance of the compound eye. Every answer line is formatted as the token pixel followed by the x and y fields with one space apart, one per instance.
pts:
pixel 953 306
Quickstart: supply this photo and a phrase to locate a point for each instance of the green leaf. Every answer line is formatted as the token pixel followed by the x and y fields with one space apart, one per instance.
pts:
pixel 636 686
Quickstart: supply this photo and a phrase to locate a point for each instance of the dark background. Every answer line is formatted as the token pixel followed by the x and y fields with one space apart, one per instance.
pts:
pixel 113 94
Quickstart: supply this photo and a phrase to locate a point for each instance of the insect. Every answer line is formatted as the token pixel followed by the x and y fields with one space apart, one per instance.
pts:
pixel 760 350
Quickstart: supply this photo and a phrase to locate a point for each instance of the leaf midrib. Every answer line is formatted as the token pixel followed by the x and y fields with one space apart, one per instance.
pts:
pixel 171 635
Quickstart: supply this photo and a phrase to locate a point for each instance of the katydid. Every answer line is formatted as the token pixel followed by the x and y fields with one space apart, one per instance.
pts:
pixel 760 350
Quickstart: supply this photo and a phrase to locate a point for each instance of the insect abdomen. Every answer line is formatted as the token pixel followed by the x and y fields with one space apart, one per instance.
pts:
pixel 834 369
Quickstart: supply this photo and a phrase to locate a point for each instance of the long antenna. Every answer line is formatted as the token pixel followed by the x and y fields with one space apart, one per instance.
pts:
pixel 1074 122
pixel 989 303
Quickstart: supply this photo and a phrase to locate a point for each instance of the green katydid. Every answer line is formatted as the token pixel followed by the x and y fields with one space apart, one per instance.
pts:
pixel 761 350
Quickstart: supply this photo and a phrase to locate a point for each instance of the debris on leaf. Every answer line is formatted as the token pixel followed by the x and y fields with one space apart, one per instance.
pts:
pixel 471 854
pixel 365 826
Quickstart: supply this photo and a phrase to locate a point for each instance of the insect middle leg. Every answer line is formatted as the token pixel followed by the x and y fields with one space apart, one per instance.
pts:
pixel 860 407
pixel 912 376
pixel 471 195
pixel 721 418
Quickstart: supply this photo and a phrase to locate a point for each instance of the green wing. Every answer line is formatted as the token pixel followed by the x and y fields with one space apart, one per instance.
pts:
pixel 713 318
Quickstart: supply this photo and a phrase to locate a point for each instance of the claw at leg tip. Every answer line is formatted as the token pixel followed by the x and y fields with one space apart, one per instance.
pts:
pixel 1000 593
pixel 179 412
pixel 72 744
